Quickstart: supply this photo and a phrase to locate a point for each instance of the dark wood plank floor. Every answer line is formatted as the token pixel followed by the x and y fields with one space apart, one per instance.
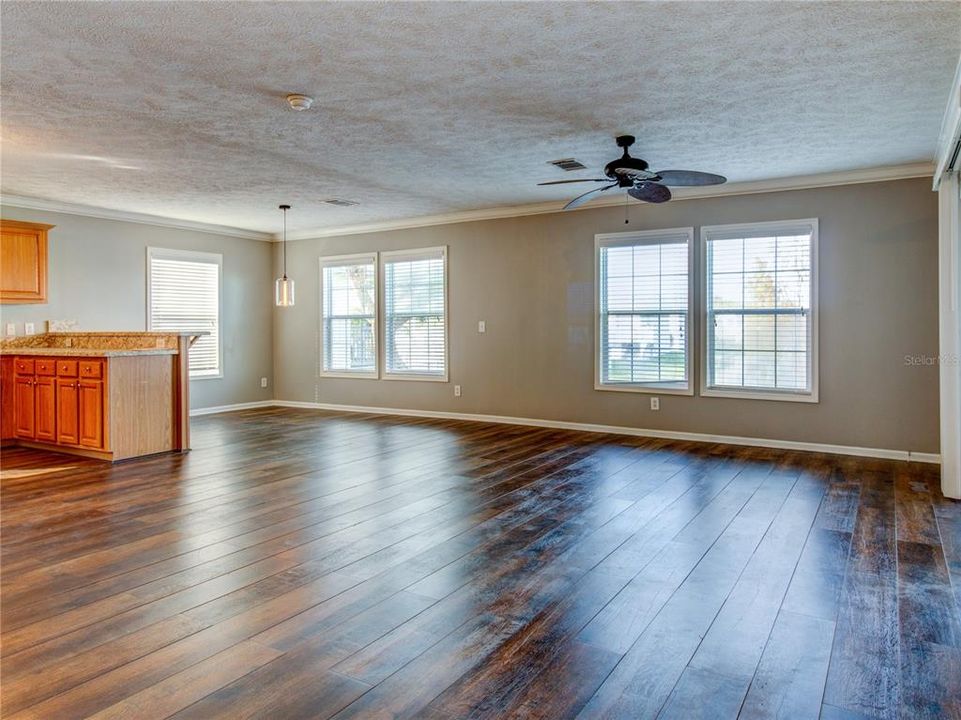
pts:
pixel 301 564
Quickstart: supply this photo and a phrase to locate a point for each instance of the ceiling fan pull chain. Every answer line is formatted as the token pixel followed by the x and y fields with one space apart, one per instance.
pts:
pixel 626 209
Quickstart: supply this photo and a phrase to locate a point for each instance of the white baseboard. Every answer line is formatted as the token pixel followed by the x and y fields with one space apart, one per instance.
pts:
pixel 232 408
pixel 620 430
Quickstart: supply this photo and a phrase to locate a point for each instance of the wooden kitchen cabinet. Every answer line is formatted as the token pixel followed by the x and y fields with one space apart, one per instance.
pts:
pixel 60 401
pixel 91 413
pixel 23 262
pixel 45 400
pixel 68 411
pixel 25 412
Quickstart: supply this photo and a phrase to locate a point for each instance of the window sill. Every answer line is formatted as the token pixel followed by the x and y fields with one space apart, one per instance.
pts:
pixel 647 389
pixel 784 396
pixel 350 375
pixel 214 376
pixel 419 378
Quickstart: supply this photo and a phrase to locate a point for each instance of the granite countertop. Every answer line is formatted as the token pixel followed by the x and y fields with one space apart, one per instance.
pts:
pixel 85 352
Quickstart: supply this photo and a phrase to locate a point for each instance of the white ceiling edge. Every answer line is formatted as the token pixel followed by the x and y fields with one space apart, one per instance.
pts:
pixel 950 127
pixel 67 208
pixel 801 182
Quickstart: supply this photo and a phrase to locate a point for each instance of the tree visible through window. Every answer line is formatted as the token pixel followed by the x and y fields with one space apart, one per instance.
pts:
pixel 415 313
pixel 348 300
pixel 759 307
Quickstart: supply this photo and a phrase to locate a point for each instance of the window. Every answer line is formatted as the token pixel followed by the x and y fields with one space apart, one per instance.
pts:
pixel 183 295
pixel 760 301
pixel 643 311
pixel 348 297
pixel 415 314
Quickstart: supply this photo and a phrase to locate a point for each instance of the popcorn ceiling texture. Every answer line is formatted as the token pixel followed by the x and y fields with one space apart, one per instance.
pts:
pixel 177 109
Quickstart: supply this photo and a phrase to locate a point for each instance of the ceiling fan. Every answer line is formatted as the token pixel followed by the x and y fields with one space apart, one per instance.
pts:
pixel 641 182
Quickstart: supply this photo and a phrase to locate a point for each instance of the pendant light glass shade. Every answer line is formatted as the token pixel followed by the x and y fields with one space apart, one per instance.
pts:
pixel 284 287
pixel 284 292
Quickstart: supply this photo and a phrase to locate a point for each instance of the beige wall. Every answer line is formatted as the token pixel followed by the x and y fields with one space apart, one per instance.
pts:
pixel 531 280
pixel 98 277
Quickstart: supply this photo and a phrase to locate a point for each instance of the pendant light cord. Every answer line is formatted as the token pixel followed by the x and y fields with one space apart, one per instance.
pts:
pixel 285 243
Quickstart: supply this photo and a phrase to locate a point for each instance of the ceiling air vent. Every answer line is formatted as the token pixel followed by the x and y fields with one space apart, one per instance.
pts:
pixel 567 164
pixel 340 202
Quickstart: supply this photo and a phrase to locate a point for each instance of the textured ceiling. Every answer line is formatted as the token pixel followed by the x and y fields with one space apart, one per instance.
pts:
pixel 178 109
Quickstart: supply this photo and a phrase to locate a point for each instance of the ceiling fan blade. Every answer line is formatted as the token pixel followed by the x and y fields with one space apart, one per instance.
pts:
pixel 562 182
pixel 651 192
pixel 581 199
pixel 682 178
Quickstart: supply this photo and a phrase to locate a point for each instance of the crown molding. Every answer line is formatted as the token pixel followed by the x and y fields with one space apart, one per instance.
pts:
pixel 57 206
pixel 800 182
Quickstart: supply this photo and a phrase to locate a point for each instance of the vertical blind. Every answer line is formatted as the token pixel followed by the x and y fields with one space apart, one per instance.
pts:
pixel 415 317
pixel 758 298
pixel 184 294
pixel 643 306
pixel 348 297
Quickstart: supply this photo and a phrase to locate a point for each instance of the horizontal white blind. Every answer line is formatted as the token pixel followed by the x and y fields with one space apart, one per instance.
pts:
pixel 185 297
pixel 759 298
pixel 415 322
pixel 644 311
pixel 348 298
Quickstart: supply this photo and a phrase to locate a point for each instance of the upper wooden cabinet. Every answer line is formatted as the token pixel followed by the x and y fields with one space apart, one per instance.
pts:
pixel 23 262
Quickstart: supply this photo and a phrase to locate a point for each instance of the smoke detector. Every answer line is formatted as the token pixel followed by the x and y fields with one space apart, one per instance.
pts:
pixel 299 102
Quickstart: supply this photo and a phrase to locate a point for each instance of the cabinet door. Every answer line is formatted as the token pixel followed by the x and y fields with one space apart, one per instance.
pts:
pixel 46 410
pixel 25 407
pixel 91 413
pixel 23 262
pixel 68 411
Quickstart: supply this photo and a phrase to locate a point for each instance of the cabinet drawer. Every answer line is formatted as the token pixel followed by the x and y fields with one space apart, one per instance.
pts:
pixel 91 369
pixel 23 366
pixel 67 368
pixel 46 366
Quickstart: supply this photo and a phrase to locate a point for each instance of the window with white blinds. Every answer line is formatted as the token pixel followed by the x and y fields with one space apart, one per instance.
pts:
pixel 761 310
pixel 415 314
pixel 644 316
pixel 348 304
pixel 183 295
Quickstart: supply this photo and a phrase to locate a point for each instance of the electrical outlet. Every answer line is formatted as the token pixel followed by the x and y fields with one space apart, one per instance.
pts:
pixel 28 329
pixel 457 391
pixel 11 329
pixel 655 403
pixel 263 382
pixel 481 326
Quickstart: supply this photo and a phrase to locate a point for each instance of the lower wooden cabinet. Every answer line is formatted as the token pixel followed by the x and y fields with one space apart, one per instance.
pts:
pixel 58 406
pixel 91 413
pixel 68 411
pixel 25 416
pixel 111 407
pixel 45 398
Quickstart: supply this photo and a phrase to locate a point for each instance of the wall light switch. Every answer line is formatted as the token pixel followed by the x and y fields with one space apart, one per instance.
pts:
pixel 11 329
pixel 263 382
pixel 481 326
pixel 457 391
pixel 655 403
pixel 28 329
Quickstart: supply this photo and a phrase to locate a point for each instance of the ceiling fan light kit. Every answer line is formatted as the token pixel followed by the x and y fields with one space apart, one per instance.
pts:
pixel 634 175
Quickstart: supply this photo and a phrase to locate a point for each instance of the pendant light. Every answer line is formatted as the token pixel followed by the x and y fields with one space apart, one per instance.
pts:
pixel 284 287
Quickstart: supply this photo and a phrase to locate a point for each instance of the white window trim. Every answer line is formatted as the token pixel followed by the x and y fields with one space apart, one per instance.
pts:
pixel 345 260
pixel 384 257
pixel 759 393
pixel 195 255
pixel 631 238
